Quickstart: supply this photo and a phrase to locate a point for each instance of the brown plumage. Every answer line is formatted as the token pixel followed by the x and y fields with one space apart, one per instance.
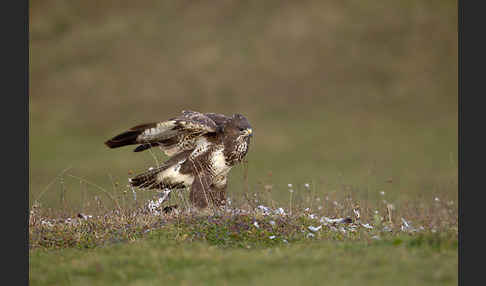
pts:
pixel 202 149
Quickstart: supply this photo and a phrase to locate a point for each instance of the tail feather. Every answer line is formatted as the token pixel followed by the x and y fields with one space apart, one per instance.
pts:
pixel 147 179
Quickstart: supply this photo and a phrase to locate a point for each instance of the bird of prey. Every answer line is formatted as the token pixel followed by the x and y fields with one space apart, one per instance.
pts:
pixel 202 149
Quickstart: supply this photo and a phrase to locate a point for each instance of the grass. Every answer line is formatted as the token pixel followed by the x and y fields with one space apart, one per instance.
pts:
pixel 158 259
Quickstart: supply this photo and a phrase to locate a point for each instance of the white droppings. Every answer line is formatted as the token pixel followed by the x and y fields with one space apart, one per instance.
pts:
pixel 367 225
pixel 314 228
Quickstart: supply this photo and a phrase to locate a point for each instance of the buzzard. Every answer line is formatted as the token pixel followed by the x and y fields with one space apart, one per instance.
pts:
pixel 202 149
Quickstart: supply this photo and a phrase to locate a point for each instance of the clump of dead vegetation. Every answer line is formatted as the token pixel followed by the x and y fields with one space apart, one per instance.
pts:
pixel 253 220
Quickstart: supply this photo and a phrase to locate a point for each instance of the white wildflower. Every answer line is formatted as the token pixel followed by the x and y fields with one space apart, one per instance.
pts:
pixel 272 237
pixel 436 199
pixel 312 216
pixel 382 193
pixel 280 211
pixel 272 223
pixel 306 185
pixel 256 224
pixel 289 185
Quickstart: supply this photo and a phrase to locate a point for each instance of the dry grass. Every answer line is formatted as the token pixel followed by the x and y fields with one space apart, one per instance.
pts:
pixel 254 219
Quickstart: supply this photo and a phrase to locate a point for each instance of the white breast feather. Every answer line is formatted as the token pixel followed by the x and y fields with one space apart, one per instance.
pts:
pixel 218 163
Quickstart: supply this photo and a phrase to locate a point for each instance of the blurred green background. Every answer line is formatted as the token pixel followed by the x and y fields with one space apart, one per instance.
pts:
pixel 350 96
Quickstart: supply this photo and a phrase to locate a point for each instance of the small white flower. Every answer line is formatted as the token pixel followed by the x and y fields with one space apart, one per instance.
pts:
pixel 291 190
pixel 272 237
pixel 306 209
pixel 280 211
pixel 272 223
pixel 285 241
pixel 256 224
pixel 382 193
pixel 312 216
pixel 437 199
pixel 306 185
pixel 314 228
pixel 289 185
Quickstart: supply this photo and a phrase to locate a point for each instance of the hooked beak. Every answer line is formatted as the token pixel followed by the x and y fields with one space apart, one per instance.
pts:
pixel 248 132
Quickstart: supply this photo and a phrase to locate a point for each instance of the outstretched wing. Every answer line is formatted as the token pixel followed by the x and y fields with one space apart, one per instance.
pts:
pixel 169 135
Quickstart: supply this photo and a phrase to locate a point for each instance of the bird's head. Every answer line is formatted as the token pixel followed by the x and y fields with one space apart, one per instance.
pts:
pixel 238 125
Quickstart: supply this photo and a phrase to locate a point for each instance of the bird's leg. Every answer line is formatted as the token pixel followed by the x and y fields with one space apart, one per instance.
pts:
pixel 218 195
pixel 199 194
